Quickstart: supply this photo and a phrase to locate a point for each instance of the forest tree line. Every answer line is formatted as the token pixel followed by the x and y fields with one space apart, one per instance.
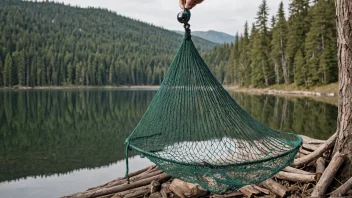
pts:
pixel 47 43
pixel 299 49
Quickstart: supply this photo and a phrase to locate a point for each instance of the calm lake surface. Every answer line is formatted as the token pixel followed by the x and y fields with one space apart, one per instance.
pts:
pixel 58 142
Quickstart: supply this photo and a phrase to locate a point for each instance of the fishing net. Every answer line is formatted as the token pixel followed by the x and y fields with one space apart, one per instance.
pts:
pixel 195 131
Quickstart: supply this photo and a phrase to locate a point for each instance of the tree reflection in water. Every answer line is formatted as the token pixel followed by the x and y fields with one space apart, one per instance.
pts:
pixel 45 132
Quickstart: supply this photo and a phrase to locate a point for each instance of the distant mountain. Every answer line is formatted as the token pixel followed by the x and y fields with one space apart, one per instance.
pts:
pixel 213 36
pixel 45 43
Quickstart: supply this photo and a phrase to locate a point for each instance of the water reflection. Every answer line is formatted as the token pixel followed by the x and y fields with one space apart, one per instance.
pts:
pixel 47 132
pixel 291 114
pixel 58 131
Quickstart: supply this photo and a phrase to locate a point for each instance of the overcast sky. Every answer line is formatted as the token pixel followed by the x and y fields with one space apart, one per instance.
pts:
pixel 222 15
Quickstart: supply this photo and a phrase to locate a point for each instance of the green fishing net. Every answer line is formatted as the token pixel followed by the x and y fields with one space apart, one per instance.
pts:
pixel 195 131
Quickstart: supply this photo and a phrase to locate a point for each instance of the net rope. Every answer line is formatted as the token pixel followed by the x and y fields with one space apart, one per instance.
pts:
pixel 195 131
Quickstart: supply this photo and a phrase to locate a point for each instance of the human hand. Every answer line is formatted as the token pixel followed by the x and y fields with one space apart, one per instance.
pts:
pixel 189 4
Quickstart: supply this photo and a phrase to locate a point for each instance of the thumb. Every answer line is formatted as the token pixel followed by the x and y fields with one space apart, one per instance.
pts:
pixel 182 4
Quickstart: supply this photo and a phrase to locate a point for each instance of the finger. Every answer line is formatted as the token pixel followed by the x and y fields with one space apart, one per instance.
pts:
pixel 199 1
pixel 190 5
pixel 182 4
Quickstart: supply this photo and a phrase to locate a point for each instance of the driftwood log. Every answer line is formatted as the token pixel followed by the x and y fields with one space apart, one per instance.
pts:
pixel 320 167
pixel 343 189
pixel 317 153
pixel 309 140
pixel 311 166
pixel 275 187
pixel 298 171
pixel 295 177
pixel 328 175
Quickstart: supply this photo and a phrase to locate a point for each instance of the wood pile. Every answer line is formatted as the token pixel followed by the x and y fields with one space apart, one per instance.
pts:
pixel 310 175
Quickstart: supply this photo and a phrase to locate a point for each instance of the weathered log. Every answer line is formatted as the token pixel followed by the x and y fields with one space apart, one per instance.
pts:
pixel 177 191
pixel 233 194
pixel 249 191
pixel 317 153
pixel 163 193
pixel 305 152
pixel 144 175
pixel 310 147
pixel 253 190
pixel 147 174
pixel 300 155
pixel 343 189
pixel 309 140
pixel 320 167
pixel 228 195
pixel 295 177
pixel 122 187
pixel 246 192
pixel 141 171
pixel 328 175
pixel 184 189
pixel 295 170
pixel 111 183
pixel 165 189
pixel 263 190
pixel 154 187
pixel 155 195
pixel 140 191
pixel 135 176
pixel 275 187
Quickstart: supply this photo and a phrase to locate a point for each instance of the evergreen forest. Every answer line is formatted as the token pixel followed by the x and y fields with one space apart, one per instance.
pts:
pixel 47 43
pixel 298 47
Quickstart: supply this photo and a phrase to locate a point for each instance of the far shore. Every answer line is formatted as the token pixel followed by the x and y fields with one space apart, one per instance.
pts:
pixel 323 91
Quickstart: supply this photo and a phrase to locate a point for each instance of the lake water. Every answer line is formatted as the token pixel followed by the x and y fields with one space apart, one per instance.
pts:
pixel 58 142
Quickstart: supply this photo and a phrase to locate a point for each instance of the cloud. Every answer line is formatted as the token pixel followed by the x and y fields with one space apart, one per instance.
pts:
pixel 221 15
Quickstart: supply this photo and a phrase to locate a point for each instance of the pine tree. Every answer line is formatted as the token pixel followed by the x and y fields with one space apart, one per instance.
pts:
pixel 231 70
pixel 50 69
pixel 33 72
pixel 40 72
pixel 257 75
pixel 2 79
pixel 319 38
pixel 15 67
pixel 263 46
pixel 244 59
pixel 83 73
pixel 8 70
pixel 21 66
pixel 300 69
pixel 79 74
pixel 100 74
pixel 298 27
pixel 111 74
pixel 69 73
pixel 278 43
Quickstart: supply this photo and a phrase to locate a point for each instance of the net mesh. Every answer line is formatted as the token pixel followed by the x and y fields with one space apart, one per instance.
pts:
pixel 195 131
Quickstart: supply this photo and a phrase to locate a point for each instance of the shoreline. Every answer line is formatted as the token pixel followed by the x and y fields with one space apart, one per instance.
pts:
pixel 269 90
pixel 282 92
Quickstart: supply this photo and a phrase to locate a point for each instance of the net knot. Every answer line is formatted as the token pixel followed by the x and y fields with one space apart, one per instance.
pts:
pixel 187 31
